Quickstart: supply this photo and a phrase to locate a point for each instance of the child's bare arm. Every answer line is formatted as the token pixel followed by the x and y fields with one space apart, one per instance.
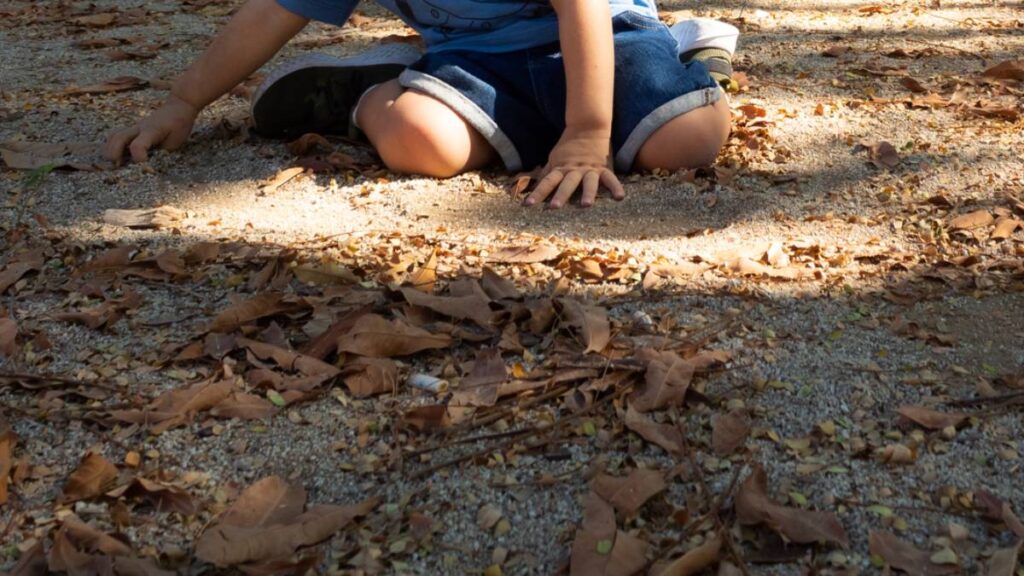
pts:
pixel 582 156
pixel 253 36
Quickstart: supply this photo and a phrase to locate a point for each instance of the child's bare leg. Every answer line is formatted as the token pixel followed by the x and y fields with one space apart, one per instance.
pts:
pixel 416 134
pixel 692 140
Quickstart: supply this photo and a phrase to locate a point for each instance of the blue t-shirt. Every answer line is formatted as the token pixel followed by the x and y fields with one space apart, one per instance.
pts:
pixel 479 25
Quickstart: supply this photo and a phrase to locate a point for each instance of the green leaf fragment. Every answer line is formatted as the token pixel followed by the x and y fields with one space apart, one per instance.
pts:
pixel 879 510
pixel 275 398
pixel 589 429
pixel 604 547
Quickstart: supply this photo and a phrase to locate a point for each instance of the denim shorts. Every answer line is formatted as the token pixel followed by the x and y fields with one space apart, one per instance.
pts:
pixel 516 100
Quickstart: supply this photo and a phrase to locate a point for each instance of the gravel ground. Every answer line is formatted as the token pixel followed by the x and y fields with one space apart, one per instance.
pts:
pixel 804 352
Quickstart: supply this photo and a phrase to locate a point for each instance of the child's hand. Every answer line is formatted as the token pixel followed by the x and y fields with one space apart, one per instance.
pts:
pixel 168 127
pixel 579 160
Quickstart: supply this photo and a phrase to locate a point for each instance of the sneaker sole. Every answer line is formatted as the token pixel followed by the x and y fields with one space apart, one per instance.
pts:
pixel 705 33
pixel 316 92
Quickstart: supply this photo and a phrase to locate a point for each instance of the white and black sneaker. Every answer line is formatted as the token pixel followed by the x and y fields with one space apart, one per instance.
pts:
pixel 712 42
pixel 317 92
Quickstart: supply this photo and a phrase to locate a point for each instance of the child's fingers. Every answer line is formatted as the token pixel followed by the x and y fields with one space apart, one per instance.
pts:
pixel 114 148
pixel 544 188
pixel 566 189
pixel 591 183
pixel 611 182
pixel 143 142
pixel 175 139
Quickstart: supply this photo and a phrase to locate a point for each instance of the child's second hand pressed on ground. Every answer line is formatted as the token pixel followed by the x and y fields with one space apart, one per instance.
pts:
pixel 582 157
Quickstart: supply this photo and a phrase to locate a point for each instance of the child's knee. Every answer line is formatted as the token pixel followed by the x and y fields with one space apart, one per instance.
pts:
pixel 414 139
pixel 689 141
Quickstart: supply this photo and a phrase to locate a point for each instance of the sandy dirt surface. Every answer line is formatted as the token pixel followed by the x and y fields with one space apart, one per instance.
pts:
pixel 844 279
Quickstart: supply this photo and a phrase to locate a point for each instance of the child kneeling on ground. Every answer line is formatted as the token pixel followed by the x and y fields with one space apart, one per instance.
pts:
pixel 583 88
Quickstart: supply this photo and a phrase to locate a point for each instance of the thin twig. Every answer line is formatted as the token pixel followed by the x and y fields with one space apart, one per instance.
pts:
pixel 506 411
pixel 526 434
pixel 5 375
pixel 722 528
pixel 986 400
pixel 482 437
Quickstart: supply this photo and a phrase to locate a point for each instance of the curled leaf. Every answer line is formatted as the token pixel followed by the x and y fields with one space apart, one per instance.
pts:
pixel 729 432
pixel 931 419
pixel 906 557
pixel 753 506
pixel 93 477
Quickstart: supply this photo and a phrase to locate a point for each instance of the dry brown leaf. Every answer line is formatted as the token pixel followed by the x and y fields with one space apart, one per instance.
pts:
pixel 881 154
pixel 469 307
pixel 520 184
pixel 1004 561
pixel 753 506
pixel 159 217
pixel 707 360
pixel 326 274
pixel 309 142
pixel 289 359
pixel 424 278
pixel 995 508
pixel 601 550
pixel 694 561
pixel 65 556
pixel 1008 70
pixel 90 539
pixel 628 494
pixel 100 20
pixel 1005 227
pixel 14 271
pixel 427 418
pixel 906 557
pixel 913 84
pixel 281 178
pixel 367 377
pixel 590 321
pixel 201 253
pixel 255 308
pixel 532 254
pixel 119 84
pixel 498 288
pixel 270 500
pixel 8 439
pixel 481 386
pixel 748 267
pixel 177 407
pixel 93 477
pixel 373 335
pixel 678 272
pixel 106 314
pixel 267 523
pixel 8 338
pixel 976 219
pixel 664 435
pixel 729 432
pixel 931 419
pixel 836 51
pixel 666 380
pixel 116 258
pixel 162 497
pixel 36 155
pixel 244 406
pixel 898 454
